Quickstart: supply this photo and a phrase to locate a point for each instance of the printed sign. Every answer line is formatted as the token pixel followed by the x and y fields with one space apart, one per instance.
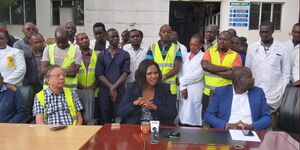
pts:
pixel 239 14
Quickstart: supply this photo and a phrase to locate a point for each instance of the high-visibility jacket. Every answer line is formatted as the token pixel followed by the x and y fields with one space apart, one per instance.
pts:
pixel 86 76
pixel 68 96
pixel 70 82
pixel 167 64
pixel 212 81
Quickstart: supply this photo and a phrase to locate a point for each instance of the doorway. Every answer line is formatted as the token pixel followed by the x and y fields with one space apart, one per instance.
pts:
pixel 188 18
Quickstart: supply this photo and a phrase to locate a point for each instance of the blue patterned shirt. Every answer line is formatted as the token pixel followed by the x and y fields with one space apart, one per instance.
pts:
pixel 57 111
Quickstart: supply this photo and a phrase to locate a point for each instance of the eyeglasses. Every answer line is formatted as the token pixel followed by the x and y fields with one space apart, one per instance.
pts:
pixel 58 75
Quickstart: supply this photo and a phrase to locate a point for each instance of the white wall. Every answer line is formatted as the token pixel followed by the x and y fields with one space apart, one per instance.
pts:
pixel 148 16
pixel 290 15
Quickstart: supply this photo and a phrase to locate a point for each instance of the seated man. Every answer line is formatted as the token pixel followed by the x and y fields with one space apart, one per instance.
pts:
pixel 239 106
pixel 12 104
pixel 56 104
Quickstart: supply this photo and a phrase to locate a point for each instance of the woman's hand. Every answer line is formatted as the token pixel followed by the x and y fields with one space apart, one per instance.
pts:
pixel 149 104
pixel 139 102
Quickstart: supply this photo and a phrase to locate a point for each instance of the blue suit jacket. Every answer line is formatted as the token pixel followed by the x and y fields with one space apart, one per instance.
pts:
pixel 218 112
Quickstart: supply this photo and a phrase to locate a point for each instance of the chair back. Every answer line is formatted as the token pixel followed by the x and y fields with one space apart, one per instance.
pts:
pixel 28 95
pixel 289 110
pixel 88 102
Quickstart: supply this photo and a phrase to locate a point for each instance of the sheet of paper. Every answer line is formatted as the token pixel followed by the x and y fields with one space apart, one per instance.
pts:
pixel 239 136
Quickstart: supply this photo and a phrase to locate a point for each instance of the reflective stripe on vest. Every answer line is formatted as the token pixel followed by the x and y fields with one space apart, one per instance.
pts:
pixel 86 76
pixel 167 64
pixel 70 82
pixel 68 96
pixel 212 81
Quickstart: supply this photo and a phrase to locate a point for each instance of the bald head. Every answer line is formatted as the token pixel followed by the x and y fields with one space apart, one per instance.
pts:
pixel 174 37
pixel 238 72
pixel 28 29
pixel 61 37
pixel 165 33
pixel 242 78
pixel 211 32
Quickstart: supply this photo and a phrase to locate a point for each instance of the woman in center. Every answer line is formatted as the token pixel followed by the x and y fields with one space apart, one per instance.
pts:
pixel 147 98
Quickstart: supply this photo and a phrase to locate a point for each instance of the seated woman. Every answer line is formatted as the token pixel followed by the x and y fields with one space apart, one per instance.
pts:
pixel 147 98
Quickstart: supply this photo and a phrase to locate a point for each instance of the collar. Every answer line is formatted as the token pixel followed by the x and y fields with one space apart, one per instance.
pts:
pixel 228 52
pixel 295 43
pixel 48 91
pixel 3 88
pixel 89 52
pixel 170 43
pixel 116 53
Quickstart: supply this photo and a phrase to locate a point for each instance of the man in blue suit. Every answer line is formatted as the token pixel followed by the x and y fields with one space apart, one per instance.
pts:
pixel 239 106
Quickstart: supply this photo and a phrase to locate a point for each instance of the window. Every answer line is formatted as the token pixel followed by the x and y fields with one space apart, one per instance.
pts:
pixel 260 12
pixel 61 13
pixel 19 12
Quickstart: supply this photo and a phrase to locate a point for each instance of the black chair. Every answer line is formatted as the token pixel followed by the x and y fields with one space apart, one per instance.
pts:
pixel 88 102
pixel 28 95
pixel 289 111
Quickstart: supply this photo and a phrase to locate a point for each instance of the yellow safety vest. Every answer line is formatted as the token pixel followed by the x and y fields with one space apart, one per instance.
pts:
pixel 212 81
pixel 167 64
pixel 86 76
pixel 70 82
pixel 68 96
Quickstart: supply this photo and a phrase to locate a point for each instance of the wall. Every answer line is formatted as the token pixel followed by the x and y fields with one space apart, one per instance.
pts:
pixel 148 16
pixel 290 14
pixel 144 15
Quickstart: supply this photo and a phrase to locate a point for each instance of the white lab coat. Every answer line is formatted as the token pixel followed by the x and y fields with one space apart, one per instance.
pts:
pixel 292 50
pixel 191 79
pixel 295 72
pixel 271 70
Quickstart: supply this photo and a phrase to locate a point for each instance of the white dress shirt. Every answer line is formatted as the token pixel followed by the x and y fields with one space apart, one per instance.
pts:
pixel 136 57
pixel 240 108
pixel 291 50
pixel 12 66
pixel 295 71
pixel 271 69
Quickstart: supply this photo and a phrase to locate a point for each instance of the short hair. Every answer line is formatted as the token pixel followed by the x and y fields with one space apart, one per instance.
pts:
pixel 199 37
pixel 165 25
pixel 111 29
pixel 70 23
pixel 215 27
pixel 136 30
pixel 50 69
pixel 297 24
pixel 61 29
pixel 267 23
pixel 140 73
pixel 36 34
pixel 238 72
pixel 99 24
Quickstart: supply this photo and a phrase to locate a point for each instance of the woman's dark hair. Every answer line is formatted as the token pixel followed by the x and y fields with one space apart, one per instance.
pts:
pixel 140 73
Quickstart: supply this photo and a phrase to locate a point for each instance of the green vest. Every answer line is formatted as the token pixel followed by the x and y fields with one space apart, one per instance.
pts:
pixel 86 76
pixel 212 81
pixel 167 64
pixel 68 96
pixel 70 82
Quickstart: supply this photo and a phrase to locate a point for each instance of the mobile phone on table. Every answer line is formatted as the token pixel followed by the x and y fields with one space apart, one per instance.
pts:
pixel 58 127
pixel 247 132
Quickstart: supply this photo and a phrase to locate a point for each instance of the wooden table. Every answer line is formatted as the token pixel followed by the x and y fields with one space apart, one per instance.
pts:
pixel 129 137
pixel 40 137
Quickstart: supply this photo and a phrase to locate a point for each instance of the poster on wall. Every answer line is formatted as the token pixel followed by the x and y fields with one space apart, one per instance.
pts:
pixel 239 13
